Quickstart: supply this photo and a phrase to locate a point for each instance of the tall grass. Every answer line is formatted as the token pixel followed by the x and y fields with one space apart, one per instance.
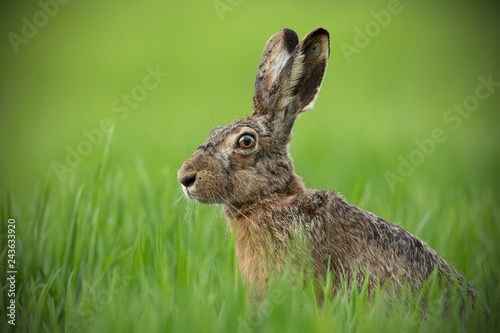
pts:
pixel 124 252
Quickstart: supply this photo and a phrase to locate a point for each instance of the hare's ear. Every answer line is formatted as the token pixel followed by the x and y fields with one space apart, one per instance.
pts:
pixel 298 84
pixel 276 53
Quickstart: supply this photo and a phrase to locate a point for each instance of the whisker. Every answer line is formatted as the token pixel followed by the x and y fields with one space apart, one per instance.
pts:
pixel 212 208
pixel 173 182
pixel 196 211
pixel 176 202
pixel 188 210
pixel 210 112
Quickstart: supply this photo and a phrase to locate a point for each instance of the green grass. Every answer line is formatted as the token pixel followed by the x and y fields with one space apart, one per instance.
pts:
pixel 113 245
pixel 127 259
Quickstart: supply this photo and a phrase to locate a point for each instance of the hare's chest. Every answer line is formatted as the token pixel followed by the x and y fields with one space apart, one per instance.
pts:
pixel 269 251
pixel 254 255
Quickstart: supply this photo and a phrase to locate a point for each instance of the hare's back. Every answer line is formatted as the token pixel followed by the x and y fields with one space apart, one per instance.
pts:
pixel 344 235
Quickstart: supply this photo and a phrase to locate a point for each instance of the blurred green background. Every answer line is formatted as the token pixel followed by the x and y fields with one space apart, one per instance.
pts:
pixel 370 110
pixel 72 71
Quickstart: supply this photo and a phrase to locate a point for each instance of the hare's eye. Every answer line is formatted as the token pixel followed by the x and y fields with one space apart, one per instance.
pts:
pixel 246 141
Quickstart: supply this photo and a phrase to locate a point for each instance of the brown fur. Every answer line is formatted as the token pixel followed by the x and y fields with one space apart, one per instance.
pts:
pixel 278 221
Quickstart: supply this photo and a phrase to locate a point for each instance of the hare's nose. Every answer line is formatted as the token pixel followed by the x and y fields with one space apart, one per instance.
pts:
pixel 188 180
pixel 186 175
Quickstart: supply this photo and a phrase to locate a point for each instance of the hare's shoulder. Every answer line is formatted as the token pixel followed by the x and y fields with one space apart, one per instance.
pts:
pixel 350 234
pixel 341 221
pixel 303 205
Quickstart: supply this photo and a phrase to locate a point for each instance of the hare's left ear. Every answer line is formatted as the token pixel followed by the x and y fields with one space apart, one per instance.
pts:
pixel 298 84
pixel 276 54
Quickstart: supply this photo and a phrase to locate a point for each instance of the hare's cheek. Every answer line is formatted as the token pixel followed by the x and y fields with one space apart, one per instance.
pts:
pixel 243 184
pixel 209 186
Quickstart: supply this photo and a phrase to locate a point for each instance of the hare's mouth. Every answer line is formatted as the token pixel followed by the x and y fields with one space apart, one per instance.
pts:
pixel 186 192
pixel 191 193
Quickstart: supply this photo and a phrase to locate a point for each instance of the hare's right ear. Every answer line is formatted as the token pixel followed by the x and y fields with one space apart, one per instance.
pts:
pixel 298 84
pixel 276 54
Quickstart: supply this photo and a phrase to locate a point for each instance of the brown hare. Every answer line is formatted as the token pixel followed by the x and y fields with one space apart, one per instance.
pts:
pixel 245 167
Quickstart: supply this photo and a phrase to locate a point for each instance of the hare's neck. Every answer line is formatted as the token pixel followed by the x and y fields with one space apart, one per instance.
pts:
pixel 294 186
pixel 255 241
pixel 241 211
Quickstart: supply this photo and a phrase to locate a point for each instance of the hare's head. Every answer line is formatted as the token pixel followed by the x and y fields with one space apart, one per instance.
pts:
pixel 248 158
